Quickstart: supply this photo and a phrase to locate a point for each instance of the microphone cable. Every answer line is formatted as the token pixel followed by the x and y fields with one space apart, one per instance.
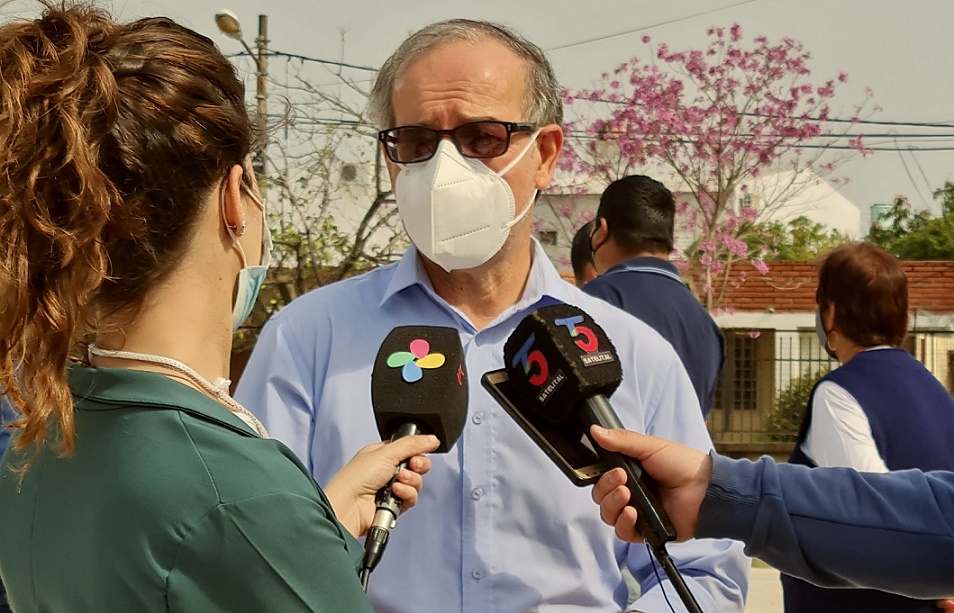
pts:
pixel 675 578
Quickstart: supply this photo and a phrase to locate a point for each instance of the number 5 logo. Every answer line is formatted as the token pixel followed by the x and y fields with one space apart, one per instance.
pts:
pixel 527 360
pixel 588 343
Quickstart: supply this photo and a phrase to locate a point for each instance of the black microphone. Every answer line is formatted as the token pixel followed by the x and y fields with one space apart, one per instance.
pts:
pixel 418 386
pixel 563 366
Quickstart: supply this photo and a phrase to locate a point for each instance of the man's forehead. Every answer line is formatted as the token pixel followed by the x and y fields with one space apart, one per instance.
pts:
pixel 466 58
pixel 480 74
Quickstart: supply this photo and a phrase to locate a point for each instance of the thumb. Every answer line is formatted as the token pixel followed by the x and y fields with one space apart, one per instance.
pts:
pixel 630 443
pixel 408 446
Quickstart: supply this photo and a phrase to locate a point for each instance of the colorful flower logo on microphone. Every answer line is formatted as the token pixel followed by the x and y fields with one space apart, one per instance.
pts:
pixel 412 362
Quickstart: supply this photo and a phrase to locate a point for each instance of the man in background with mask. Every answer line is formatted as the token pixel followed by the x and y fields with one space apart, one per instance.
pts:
pixel 471 121
pixel 633 235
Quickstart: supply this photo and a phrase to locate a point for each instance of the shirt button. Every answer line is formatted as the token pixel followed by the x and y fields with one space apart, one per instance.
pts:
pixel 478 418
pixel 477 494
pixel 478 574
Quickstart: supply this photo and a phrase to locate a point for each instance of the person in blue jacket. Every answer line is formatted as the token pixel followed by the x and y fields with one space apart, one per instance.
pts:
pixel 834 527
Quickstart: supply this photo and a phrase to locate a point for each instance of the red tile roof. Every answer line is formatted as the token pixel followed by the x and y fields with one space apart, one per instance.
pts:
pixel 790 287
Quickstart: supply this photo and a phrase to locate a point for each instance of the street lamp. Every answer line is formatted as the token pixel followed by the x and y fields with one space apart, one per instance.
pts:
pixel 228 24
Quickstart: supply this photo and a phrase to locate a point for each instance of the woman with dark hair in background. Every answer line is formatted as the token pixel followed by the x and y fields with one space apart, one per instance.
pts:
pixel 880 411
pixel 133 241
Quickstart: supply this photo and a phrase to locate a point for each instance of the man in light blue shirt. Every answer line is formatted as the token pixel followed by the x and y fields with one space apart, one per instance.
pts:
pixel 6 416
pixel 498 526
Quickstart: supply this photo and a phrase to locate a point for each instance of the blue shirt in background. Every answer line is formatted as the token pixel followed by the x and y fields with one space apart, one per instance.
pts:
pixel 498 527
pixel 650 289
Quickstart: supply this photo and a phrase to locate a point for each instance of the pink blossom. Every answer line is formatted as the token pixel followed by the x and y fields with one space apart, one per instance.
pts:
pixel 718 117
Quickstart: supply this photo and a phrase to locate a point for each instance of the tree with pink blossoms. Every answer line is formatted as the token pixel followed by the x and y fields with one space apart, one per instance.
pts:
pixel 736 130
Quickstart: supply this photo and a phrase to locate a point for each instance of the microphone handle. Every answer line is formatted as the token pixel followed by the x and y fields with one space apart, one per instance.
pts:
pixel 386 500
pixel 651 521
pixel 388 507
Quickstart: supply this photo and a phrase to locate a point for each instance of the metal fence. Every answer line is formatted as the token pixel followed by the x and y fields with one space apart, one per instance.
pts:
pixel 769 374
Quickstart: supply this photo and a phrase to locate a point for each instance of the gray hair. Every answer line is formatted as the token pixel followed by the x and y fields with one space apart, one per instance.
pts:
pixel 542 100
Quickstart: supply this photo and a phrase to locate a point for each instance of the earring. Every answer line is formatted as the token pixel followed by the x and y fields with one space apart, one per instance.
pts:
pixel 241 231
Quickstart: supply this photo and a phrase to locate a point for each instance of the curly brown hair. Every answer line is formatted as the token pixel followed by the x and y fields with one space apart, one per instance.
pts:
pixel 112 137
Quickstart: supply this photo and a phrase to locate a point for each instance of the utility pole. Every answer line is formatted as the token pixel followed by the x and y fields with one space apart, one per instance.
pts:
pixel 261 107
pixel 228 24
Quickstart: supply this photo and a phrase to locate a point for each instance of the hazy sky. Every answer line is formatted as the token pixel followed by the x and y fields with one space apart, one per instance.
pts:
pixel 903 51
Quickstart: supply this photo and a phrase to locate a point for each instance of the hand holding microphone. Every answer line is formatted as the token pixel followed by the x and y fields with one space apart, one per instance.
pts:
pixel 683 474
pixel 418 386
pixel 564 368
pixel 354 488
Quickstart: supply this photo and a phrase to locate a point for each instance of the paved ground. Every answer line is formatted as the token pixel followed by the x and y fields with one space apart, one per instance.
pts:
pixel 765 592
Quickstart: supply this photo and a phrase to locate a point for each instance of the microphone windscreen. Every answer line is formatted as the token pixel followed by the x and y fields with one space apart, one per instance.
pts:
pixel 419 377
pixel 557 357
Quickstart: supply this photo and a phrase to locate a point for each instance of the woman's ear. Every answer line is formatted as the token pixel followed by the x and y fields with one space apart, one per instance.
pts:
pixel 233 205
pixel 828 317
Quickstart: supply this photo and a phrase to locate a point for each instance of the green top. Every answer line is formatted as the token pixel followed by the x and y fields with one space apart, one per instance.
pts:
pixel 170 503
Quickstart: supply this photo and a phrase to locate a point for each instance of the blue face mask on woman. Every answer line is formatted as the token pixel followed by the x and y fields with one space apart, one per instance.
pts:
pixel 250 278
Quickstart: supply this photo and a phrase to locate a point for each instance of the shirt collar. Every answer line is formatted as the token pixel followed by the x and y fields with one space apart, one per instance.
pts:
pixel 644 262
pixel 408 271
pixel 100 389
pixel 542 282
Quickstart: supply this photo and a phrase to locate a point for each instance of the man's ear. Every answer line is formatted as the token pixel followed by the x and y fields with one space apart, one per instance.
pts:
pixel 549 143
pixel 600 233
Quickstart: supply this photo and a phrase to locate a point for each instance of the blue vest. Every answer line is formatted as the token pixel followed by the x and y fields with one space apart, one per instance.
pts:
pixel 912 423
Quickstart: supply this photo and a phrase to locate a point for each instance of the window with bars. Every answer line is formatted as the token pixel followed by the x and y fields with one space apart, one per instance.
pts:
pixel 739 384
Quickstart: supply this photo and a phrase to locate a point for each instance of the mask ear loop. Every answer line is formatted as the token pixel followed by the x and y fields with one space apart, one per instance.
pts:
pixel 231 229
pixel 516 160
pixel 518 218
pixel 267 243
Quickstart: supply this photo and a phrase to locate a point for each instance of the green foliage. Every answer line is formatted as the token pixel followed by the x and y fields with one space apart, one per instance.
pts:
pixel 790 406
pixel 916 235
pixel 798 240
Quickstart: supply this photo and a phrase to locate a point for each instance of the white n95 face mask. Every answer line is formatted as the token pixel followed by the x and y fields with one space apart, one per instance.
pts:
pixel 456 210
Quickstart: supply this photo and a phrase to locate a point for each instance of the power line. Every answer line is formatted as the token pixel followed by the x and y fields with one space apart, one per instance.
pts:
pixel 911 178
pixel 921 170
pixel 806 145
pixel 873 122
pixel 305 58
pixel 655 25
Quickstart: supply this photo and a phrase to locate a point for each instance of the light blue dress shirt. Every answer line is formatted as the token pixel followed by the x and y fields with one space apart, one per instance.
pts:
pixel 498 527
pixel 6 416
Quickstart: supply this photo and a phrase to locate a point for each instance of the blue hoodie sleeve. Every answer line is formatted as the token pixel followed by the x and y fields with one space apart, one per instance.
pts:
pixel 836 527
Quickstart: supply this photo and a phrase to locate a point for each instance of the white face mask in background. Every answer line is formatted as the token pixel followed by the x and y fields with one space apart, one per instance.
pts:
pixel 822 334
pixel 456 210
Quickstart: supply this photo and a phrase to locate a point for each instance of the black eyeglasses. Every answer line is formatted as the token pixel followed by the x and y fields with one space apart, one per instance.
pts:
pixel 477 139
